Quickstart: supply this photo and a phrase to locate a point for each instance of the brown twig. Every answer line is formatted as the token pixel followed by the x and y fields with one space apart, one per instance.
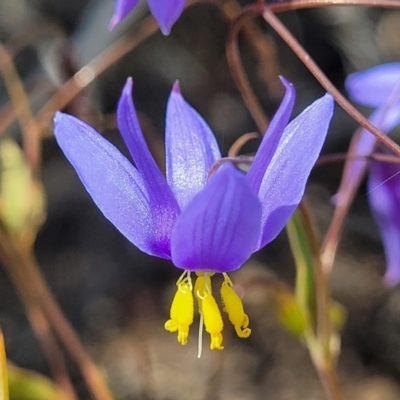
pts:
pixel 238 74
pixel 30 284
pixel 20 102
pixel 240 142
pixel 340 157
pixel 36 317
pixel 299 4
pixel 298 49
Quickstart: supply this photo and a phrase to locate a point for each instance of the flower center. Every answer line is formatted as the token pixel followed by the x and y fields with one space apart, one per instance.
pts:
pixel 182 309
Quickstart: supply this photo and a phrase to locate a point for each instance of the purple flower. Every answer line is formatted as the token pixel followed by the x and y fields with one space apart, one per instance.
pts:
pixel 166 12
pixel 379 87
pixel 203 224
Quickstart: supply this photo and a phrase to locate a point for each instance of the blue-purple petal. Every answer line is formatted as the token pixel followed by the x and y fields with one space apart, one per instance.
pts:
pixel 113 182
pixel 373 86
pixel 163 205
pixel 190 147
pixel 385 118
pixel 121 9
pixel 384 198
pixel 284 181
pixel 166 12
pixel 272 137
pixel 219 229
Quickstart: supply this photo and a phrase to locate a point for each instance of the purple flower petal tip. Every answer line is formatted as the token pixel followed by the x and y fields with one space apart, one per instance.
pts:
pixel 121 9
pixel 176 87
pixel 373 86
pixel 272 137
pixel 288 85
pixel 191 148
pixel 166 12
pixel 284 178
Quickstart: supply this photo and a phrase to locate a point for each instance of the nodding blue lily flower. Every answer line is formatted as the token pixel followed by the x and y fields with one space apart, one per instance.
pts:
pixel 204 225
pixel 166 12
pixel 379 87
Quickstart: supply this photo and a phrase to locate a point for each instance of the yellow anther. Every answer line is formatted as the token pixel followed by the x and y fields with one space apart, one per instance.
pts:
pixel 182 310
pixel 216 341
pixel 212 320
pixel 201 287
pixel 234 308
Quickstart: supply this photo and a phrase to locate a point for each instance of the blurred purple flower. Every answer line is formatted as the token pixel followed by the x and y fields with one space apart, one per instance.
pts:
pixel 203 227
pixel 166 12
pixel 379 87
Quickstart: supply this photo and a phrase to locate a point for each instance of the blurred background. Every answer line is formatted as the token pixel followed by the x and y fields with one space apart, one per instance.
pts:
pixel 118 298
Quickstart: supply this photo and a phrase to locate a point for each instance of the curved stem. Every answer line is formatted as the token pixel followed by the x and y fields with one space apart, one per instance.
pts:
pixel 325 82
pixel 240 142
pixel 237 71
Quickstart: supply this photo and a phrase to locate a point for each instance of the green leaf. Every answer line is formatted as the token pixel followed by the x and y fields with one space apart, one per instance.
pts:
pixel 3 370
pixel 304 255
pixel 338 315
pixel 288 312
pixel 28 385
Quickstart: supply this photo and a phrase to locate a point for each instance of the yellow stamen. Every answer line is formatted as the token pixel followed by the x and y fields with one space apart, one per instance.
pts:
pixel 201 286
pixel 182 309
pixel 212 320
pixel 234 308
pixel 209 310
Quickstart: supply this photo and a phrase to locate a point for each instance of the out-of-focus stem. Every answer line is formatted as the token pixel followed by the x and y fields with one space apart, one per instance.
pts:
pixel 350 182
pixel 37 320
pixel 328 377
pixel 238 74
pixel 20 102
pixel 240 142
pixel 33 289
pixel 299 4
pixel 91 374
pixel 320 345
pixel 50 347
pixel 340 157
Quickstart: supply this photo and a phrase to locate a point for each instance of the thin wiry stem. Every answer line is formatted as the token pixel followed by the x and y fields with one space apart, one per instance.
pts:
pixel 340 157
pixel 240 142
pixel 20 102
pixel 299 4
pixel 298 49
pixel 237 71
